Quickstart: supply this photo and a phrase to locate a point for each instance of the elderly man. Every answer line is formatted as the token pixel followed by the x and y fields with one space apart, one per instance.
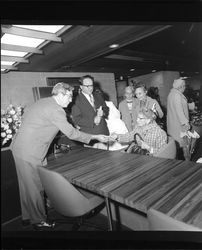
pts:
pixel 40 124
pixel 177 113
pixel 127 109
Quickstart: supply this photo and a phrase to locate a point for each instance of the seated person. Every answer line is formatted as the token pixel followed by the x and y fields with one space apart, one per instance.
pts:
pixel 154 138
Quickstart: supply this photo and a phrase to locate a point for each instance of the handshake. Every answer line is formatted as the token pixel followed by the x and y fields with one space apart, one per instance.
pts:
pixel 104 138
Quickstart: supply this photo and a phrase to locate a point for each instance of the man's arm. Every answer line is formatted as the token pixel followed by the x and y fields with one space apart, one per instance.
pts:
pixel 59 120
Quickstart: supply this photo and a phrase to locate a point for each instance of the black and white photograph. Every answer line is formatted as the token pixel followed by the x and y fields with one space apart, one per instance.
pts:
pixel 101 130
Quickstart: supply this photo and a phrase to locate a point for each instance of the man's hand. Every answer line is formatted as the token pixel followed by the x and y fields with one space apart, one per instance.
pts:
pixel 185 127
pixel 97 120
pixel 100 112
pixel 114 136
pixel 101 138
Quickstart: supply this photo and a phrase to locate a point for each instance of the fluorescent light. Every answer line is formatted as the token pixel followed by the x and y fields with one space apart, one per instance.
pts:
pixel 46 28
pixel 12 53
pixel 154 70
pixel 3 69
pixel 112 46
pixel 7 63
pixel 21 40
pixel 132 69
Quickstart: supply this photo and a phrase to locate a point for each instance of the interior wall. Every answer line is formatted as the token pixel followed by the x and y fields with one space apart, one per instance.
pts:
pixel 194 82
pixel 120 87
pixel 162 79
pixel 16 87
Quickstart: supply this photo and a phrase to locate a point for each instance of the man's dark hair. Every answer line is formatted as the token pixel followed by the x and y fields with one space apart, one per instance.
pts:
pixel 84 77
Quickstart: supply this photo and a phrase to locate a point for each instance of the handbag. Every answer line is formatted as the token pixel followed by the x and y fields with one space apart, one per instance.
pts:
pixel 134 148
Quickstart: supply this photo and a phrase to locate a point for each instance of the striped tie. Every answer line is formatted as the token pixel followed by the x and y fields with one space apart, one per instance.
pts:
pixel 92 100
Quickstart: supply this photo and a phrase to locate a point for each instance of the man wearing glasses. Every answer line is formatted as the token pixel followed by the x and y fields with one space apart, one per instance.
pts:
pixel 90 110
pixel 41 122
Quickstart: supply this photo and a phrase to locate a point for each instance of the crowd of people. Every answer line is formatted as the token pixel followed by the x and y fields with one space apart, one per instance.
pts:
pixel 97 123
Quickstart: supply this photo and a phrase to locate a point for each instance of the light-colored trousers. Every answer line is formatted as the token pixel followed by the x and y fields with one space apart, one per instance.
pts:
pixel 31 191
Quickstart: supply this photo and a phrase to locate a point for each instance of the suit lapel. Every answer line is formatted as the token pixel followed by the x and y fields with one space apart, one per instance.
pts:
pixel 86 102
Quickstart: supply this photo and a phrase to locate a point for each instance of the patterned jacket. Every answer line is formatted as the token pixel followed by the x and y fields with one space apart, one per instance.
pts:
pixel 152 134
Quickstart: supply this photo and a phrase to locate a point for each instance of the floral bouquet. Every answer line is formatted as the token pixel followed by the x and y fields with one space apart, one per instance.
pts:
pixel 10 122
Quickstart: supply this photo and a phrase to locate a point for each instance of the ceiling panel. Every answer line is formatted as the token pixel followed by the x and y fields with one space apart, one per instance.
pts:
pixel 144 47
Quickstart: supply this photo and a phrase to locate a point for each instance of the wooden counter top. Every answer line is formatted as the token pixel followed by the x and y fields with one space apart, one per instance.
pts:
pixel 140 182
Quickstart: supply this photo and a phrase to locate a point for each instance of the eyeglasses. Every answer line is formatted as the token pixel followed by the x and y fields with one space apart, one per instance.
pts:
pixel 68 94
pixel 88 86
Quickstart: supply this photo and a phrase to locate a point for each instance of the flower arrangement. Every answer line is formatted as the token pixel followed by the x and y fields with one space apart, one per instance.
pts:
pixel 10 122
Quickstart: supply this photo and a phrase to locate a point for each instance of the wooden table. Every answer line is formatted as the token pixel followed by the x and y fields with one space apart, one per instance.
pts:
pixel 140 182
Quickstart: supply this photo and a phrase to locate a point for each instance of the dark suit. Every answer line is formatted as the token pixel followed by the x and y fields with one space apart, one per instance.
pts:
pixel 40 124
pixel 83 114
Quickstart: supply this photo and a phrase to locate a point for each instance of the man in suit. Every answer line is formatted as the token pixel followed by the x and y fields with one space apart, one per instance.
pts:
pixel 178 114
pixel 40 124
pixel 127 108
pixel 90 110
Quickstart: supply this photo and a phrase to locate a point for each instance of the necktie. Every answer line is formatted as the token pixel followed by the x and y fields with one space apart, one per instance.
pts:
pixel 92 100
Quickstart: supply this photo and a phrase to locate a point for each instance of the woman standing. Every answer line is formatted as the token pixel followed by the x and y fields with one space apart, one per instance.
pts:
pixel 146 102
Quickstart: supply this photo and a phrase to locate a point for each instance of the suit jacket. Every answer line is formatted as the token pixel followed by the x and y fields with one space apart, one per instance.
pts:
pixel 177 113
pixel 125 114
pixel 40 124
pixel 83 114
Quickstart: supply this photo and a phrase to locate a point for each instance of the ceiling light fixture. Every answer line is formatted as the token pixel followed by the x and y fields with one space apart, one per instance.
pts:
pixel 154 70
pixel 13 53
pixel 7 63
pixel 113 46
pixel 132 69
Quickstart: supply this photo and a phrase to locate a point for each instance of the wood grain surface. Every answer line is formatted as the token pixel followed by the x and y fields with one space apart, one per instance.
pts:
pixel 172 187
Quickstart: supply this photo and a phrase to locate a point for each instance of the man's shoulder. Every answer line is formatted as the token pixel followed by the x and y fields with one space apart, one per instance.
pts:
pixel 79 98
pixel 46 102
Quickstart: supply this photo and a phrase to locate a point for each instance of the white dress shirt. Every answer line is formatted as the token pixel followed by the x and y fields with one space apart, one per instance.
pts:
pixel 90 98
